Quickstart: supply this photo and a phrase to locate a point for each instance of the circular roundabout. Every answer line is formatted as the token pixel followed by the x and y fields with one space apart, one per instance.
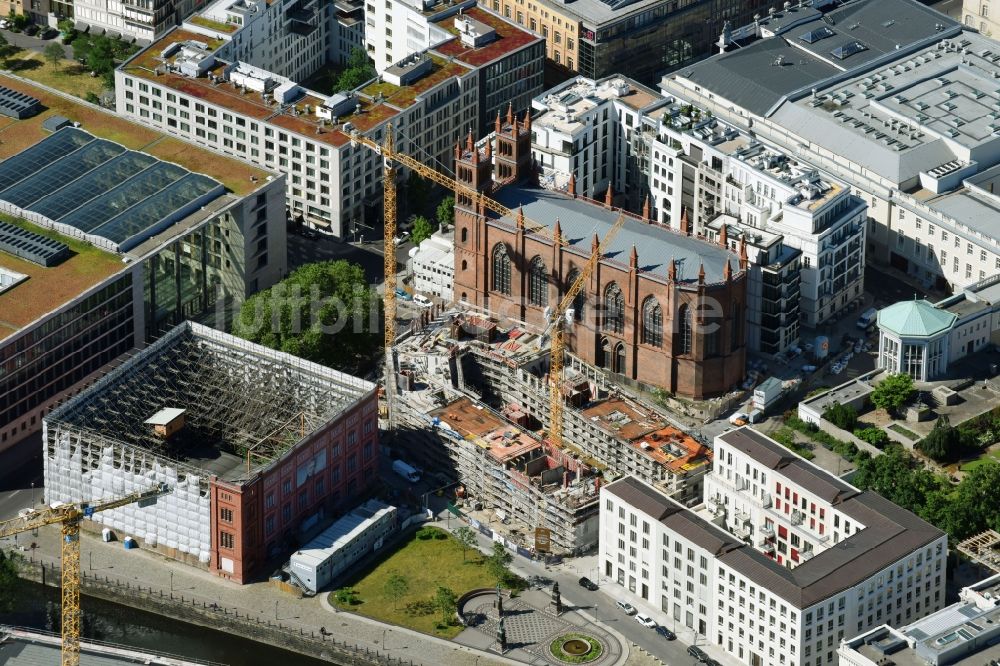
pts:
pixel 576 648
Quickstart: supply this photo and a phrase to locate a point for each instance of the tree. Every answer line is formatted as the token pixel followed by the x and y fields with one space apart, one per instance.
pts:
pixel 9 580
pixel 447 603
pixel 446 212
pixel 100 56
pixel 844 417
pixel 873 435
pixel 893 392
pixel 942 443
pixel 6 48
pixel 66 26
pixel 396 587
pixel 53 52
pixel 421 229
pixel 323 312
pixel 498 561
pixel 466 537
pixel 359 71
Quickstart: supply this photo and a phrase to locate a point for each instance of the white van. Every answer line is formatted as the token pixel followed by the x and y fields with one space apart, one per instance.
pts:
pixel 867 318
pixel 422 300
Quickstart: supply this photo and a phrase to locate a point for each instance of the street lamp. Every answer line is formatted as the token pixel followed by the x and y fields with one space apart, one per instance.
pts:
pixel 276 609
pixel 32 493
pixel 383 638
pixel 171 581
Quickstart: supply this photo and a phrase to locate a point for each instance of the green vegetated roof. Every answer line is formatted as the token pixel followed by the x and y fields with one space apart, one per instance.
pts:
pixel 915 319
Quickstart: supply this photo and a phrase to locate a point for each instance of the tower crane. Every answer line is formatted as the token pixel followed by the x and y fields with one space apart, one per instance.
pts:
pixel 68 516
pixel 554 324
pixel 390 158
pixel 555 328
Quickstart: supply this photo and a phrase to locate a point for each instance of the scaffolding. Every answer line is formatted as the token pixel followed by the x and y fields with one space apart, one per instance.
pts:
pixel 983 548
pixel 238 399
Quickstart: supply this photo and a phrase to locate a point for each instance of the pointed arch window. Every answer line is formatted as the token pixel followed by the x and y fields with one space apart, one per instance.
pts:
pixel 652 322
pixel 684 329
pixel 614 309
pixel 538 283
pixel 501 269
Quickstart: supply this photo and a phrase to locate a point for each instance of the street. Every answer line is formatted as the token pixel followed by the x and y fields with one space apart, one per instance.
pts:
pixel 952 8
pixel 21 476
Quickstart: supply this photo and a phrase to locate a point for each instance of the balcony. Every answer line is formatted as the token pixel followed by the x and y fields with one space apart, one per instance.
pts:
pixel 798 517
pixel 806 555
pixel 742 517
pixel 767 531
pixel 768 547
pixel 742 531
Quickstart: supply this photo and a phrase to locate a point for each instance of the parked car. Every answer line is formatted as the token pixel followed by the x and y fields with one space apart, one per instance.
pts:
pixel 401 238
pixel 48 33
pixel 422 300
pixel 645 621
pixel 4 24
pixel 31 29
pixel 626 607
pixel 403 294
pixel 712 662
pixel 588 584
pixel 697 653
pixel 666 633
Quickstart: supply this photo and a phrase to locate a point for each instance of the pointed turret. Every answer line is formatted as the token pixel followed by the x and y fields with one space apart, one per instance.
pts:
pixel 701 274
pixel 571 188
pixel 743 252
pixel 645 209
pixel 672 270
pixel 520 218
pixel 557 233
pixel 595 244
pixel 498 124
pixel 684 221
pixel 608 197
pixel 527 121
pixel 510 113
pixel 727 272
pixel 470 145
pixel 724 235
pixel 633 260
pixel 489 148
pixel 458 151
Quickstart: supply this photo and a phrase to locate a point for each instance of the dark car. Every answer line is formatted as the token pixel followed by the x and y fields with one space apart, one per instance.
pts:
pixel 712 662
pixel 31 29
pixel 697 653
pixel 589 584
pixel 48 33
pixel 666 633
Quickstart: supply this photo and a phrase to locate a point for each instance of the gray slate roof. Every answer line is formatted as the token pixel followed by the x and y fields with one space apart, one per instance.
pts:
pixel 580 220
pixel 890 531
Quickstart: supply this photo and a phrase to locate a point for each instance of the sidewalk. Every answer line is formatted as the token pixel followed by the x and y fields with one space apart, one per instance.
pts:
pixel 307 615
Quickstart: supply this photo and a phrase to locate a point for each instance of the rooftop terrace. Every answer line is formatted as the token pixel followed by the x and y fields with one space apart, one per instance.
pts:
pixel 509 38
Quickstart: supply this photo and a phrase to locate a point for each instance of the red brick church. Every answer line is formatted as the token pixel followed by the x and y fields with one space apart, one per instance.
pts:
pixel 662 307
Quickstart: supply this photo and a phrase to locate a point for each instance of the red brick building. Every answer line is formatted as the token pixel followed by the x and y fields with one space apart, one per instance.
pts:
pixel 662 308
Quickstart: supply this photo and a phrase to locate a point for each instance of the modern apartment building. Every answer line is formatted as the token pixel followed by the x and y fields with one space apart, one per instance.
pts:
pixel 782 563
pixel 891 98
pixel 963 634
pixel 694 173
pixel 240 94
pixel 146 239
pixel 598 38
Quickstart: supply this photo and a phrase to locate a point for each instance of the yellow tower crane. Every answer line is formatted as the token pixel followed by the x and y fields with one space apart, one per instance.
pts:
pixel 390 158
pixel 555 324
pixel 69 517
pixel 556 330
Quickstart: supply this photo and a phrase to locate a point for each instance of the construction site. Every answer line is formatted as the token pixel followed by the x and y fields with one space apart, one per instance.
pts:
pixel 485 393
pixel 259 448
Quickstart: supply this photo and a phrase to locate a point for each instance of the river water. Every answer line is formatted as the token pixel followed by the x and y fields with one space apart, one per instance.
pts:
pixel 38 608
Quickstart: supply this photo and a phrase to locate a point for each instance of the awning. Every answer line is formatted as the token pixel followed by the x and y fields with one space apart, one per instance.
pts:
pixel 111 34
pixel 80 26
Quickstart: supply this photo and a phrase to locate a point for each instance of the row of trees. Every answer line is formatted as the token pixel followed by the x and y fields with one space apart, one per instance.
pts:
pixel 961 510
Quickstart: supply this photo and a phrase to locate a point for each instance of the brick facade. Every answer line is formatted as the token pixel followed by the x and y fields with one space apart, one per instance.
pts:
pixel 699 373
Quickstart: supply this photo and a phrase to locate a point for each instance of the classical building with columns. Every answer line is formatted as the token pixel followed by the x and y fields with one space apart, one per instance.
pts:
pixel 663 308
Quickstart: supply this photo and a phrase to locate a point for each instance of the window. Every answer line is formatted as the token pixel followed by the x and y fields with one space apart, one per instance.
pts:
pixel 984 11
pixel 226 540
pixel 652 322
pixel 614 309
pixel 501 269
pixel 538 283
pixel 226 515
pixel 684 329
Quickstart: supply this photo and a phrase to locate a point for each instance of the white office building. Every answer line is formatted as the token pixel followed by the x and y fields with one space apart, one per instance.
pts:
pixel 432 264
pixel 240 93
pixel 780 565
pixel 890 97
pixel 966 633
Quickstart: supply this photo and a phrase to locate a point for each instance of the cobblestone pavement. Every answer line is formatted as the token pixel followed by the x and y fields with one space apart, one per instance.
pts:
pixel 307 615
pixel 530 625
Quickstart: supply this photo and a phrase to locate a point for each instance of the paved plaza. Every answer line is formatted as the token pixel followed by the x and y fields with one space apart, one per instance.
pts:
pixel 531 624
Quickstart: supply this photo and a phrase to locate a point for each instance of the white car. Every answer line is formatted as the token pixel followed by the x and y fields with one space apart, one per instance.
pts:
pixel 626 607
pixel 422 300
pixel 401 238
pixel 645 621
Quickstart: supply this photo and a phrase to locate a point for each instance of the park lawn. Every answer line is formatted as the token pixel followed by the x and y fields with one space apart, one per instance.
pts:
pixel 68 76
pixel 987 458
pixel 425 564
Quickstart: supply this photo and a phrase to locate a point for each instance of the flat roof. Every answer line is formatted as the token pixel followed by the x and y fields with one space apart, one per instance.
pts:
pixel 239 176
pixel 98 189
pixel 509 38
pixel 341 533
pixel 48 288
pixel 581 219
pixel 890 532
pixel 565 105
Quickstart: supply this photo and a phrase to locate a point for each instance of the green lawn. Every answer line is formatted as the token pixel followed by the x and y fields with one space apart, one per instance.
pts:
pixel 68 76
pixel 904 431
pixel 425 564
pixel 987 458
